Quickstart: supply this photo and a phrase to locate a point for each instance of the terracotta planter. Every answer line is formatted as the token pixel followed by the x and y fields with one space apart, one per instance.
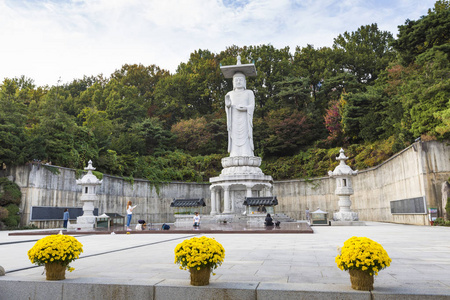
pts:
pixel 55 271
pixel 200 277
pixel 361 280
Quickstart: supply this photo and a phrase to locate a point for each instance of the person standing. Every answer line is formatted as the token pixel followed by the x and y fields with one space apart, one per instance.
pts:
pixel 66 217
pixel 307 214
pixel 196 220
pixel 129 213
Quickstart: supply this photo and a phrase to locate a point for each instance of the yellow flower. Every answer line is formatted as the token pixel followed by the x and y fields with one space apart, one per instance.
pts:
pixel 199 252
pixel 363 254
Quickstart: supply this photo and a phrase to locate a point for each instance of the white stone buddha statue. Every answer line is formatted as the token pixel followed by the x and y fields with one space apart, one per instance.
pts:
pixel 239 106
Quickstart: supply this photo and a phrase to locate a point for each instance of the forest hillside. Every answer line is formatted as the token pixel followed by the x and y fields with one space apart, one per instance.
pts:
pixel 371 93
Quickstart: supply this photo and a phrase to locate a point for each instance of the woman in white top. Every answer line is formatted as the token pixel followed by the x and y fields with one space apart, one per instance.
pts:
pixel 129 213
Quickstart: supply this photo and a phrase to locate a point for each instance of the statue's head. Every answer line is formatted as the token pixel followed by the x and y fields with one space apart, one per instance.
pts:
pixel 239 81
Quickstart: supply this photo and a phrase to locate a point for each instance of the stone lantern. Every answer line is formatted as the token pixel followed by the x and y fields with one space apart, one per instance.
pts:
pixel 89 183
pixel 343 175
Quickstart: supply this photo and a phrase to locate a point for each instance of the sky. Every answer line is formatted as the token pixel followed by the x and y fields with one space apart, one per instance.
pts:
pixel 53 41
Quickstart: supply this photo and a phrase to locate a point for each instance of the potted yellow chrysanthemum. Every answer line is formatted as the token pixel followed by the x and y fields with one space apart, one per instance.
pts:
pixel 201 256
pixel 363 258
pixel 55 252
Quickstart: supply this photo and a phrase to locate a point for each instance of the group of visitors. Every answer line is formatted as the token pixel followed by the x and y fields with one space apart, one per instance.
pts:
pixel 196 220
pixel 141 223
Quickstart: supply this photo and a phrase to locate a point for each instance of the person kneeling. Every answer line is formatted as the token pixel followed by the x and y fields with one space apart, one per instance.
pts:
pixel 141 225
pixel 268 220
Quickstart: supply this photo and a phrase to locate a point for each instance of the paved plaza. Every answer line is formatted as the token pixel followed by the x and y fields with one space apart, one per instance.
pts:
pixel 256 266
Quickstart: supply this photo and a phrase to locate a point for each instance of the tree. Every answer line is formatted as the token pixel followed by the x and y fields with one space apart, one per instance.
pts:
pixel 168 103
pixel 416 38
pixel 361 114
pixel 59 135
pixel 295 93
pixel 154 139
pixel 314 65
pixel 99 125
pixel 287 132
pixel 444 116
pixel 426 95
pixel 144 78
pixel 333 121
pixel 124 105
pixel 204 93
pixel 364 52
pixel 192 135
pixel 13 140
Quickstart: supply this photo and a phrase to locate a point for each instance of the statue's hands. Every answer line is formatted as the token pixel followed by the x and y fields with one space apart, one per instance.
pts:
pixel 227 100
pixel 240 107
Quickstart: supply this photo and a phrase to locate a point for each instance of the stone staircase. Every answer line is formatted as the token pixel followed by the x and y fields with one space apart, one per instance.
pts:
pixel 282 218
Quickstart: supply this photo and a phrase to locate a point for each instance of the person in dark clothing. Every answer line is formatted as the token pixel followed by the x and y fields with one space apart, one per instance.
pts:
pixel 268 220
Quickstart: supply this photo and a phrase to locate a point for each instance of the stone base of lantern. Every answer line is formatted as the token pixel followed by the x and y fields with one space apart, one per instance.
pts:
pixel 83 223
pixel 346 216
pixel 347 223
pixel 346 219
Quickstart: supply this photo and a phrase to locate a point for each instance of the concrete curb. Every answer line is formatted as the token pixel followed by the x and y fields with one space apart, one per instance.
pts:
pixel 110 289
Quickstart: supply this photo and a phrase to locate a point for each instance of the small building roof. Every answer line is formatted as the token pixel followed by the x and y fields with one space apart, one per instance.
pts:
pixel 188 202
pixel 319 211
pixel 256 201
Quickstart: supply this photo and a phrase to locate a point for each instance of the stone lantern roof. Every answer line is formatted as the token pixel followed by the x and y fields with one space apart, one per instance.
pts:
pixel 89 178
pixel 342 169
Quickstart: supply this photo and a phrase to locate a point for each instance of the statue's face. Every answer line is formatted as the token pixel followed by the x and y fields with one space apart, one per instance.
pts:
pixel 239 82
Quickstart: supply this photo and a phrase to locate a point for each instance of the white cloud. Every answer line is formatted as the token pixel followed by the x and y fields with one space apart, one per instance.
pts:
pixel 48 39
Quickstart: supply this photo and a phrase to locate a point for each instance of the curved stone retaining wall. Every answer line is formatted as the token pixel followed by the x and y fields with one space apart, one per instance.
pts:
pixel 417 171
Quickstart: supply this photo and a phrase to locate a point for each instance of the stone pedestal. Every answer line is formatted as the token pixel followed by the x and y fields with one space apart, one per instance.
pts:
pixel 83 223
pixel 241 177
pixel 346 216
pixel 347 223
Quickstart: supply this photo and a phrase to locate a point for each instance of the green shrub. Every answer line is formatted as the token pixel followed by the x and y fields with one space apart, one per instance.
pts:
pixel 447 208
pixel 27 227
pixel 52 169
pixel 441 222
pixel 13 219
pixel 3 213
pixel 10 192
